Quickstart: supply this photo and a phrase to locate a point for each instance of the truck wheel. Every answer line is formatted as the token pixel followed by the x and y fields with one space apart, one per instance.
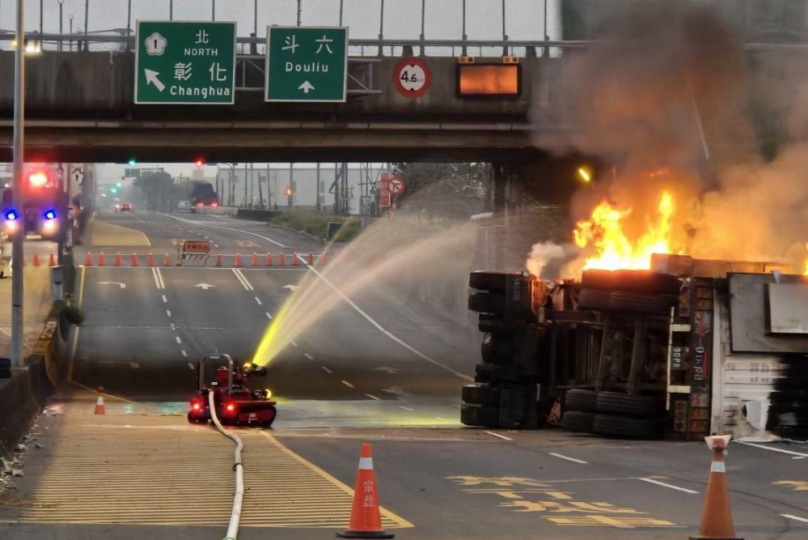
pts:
pixel 476 394
pixel 491 281
pixel 640 281
pixel 578 421
pixel 475 415
pixel 579 399
pixel 629 428
pixel 625 301
pixel 496 349
pixel 487 303
pixel 633 405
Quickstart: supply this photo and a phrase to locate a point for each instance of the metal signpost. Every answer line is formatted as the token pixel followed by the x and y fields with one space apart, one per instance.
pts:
pixel 306 64
pixel 17 255
pixel 185 63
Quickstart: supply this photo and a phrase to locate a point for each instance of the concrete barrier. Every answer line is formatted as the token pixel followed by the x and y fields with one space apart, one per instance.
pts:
pixel 256 215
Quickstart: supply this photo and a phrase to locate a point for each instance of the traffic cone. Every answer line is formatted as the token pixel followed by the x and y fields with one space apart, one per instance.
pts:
pixel 36 259
pixel 219 260
pixel 134 259
pixel 118 260
pixel 294 258
pixel 52 260
pixel 238 260
pixel 282 259
pixel 716 519
pixel 324 258
pixel 99 403
pixel 150 260
pixel 167 261
pixel 366 519
pixel 101 260
pixel 311 259
pixel 89 260
pixel 255 259
pixel 269 259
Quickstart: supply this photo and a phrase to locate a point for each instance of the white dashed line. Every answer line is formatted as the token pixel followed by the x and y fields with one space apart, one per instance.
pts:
pixel 190 365
pixel 134 365
pixel 671 486
pixel 326 369
pixel 179 340
pixel 173 327
pixel 269 315
pixel 307 355
pixel 165 299
pixel 582 462
pixel 168 312
pixel 498 436
pixel 346 383
pixel 406 408
pixel 259 301
pixel 371 396
pixel 184 353
pixel 215 245
pixel 294 343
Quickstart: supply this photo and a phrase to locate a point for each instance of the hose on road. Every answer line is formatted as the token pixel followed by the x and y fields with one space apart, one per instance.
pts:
pixel 235 516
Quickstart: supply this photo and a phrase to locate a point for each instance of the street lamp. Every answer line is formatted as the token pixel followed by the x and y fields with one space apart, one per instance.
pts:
pixel 61 22
pixel 71 32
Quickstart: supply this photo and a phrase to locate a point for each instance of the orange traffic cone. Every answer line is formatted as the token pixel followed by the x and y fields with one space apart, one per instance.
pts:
pixel 150 260
pixel 99 403
pixel 219 260
pixel 311 259
pixel 36 259
pixel 52 260
pixel 294 258
pixel 101 260
pixel 118 261
pixel 167 260
pixel 238 260
pixel 324 258
pixel 716 519
pixel 366 519
pixel 134 259
pixel 269 259
pixel 255 259
pixel 282 259
pixel 89 260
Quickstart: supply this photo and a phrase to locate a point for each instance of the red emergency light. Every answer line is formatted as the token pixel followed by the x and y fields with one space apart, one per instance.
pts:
pixel 38 179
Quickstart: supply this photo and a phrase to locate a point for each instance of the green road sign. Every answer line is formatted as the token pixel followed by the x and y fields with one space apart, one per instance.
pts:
pixel 185 63
pixel 306 64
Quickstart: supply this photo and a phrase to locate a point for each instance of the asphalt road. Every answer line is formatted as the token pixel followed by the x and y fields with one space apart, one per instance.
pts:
pixel 141 471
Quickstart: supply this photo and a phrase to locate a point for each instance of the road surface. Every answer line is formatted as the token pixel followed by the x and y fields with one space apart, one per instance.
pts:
pixel 141 471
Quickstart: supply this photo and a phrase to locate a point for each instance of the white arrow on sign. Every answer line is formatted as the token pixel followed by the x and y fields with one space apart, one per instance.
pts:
pixel 118 283
pixel 306 87
pixel 205 286
pixel 390 370
pixel 292 288
pixel 78 176
pixel 151 78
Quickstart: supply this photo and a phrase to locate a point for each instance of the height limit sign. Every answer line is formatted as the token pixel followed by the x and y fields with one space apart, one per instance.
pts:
pixel 412 77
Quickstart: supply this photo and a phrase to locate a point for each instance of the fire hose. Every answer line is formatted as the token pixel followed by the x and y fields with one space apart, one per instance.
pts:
pixel 235 516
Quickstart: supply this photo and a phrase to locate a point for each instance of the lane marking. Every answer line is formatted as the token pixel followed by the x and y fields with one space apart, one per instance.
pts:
pixel 383 330
pixel 371 396
pixel 307 355
pixel 406 408
pixel 269 316
pixel 165 299
pixel 582 462
pixel 168 312
pixel 215 245
pixel 326 369
pixel 173 327
pixel 671 486
pixel 178 339
pixel 497 435
pixel 134 365
pixel 228 229
pixel 294 343
pixel 346 383
pixel 259 301
pixel 243 280
pixel 795 518
pixel 184 353
pixel 190 365
pixel 789 452
pixel 158 278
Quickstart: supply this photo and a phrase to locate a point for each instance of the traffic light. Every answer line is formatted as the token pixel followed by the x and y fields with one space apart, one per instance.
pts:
pixel 511 308
pixel 119 184
pixel 200 162
pixel 288 191
pixel 132 162
pixel 113 190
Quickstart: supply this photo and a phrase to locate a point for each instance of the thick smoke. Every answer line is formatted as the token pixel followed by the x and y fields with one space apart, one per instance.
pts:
pixel 671 87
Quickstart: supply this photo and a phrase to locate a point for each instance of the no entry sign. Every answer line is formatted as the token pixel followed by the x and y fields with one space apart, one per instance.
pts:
pixel 412 77
pixel 396 186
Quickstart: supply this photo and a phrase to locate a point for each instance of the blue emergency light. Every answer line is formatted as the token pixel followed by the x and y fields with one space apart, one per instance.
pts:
pixel 11 215
pixel 50 214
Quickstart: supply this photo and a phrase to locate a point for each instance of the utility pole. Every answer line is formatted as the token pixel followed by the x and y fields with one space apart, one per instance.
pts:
pixel 17 246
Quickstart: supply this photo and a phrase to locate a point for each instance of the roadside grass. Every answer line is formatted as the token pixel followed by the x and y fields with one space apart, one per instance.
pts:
pixel 316 223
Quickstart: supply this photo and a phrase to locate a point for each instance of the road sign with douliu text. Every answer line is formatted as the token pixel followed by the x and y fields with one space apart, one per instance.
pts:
pixel 185 63
pixel 306 64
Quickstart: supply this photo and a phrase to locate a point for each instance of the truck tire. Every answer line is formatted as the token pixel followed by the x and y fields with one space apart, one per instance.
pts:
pixel 477 416
pixel 477 394
pixel 496 349
pixel 625 301
pixel 629 428
pixel 578 421
pixel 639 281
pixel 490 281
pixel 633 405
pixel 493 374
pixel 482 302
pixel 582 400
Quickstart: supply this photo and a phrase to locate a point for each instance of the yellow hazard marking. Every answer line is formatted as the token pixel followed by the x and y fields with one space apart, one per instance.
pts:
pixel 796 485
pixel 158 471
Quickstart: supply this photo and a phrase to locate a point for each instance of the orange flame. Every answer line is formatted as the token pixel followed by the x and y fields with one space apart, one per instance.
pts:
pixel 613 250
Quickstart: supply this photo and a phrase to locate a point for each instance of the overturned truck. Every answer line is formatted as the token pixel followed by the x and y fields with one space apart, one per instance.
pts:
pixel 690 348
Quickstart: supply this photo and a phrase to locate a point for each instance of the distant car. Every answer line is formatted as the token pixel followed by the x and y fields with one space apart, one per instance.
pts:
pixel 126 207
pixel 184 206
